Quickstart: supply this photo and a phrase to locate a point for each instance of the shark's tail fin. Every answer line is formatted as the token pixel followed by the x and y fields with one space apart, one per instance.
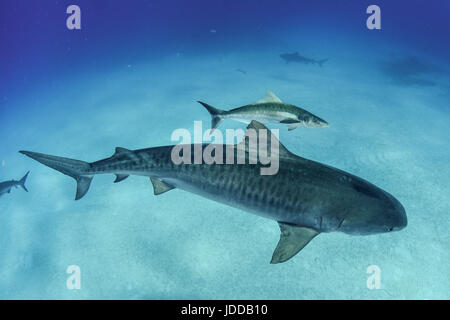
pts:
pixel 215 114
pixel 321 62
pixel 23 180
pixel 73 168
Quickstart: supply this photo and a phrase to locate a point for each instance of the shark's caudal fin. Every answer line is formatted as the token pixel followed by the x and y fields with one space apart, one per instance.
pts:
pixel 321 62
pixel 73 168
pixel 23 180
pixel 215 114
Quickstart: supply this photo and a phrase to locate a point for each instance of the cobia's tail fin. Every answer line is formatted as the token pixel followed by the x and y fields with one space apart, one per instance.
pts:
pixel 321 62
pixel 215 114
pixel 23 180
pixel 74 168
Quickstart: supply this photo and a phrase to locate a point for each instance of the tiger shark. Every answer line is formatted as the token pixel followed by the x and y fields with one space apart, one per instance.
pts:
pixel 269 109
pixel 6 186
pixel 305 197
pixel 296 57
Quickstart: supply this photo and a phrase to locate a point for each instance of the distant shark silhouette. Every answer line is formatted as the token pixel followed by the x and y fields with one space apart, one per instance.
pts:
pixel 6 186
pixel 296 57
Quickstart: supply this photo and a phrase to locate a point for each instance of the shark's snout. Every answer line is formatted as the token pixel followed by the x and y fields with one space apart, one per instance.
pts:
pixel 401 220
pixel 394 216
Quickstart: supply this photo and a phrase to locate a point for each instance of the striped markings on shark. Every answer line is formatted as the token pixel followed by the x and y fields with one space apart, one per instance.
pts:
pixel 270 109
pixel 254 147
pixel 6 186
pixel 305 197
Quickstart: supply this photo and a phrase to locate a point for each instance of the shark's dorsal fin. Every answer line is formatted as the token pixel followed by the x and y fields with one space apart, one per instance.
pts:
pixel 160 186
pixel 270 97
pixel 120 150
pixel 292 240
pixel 271 138
pixel 121 177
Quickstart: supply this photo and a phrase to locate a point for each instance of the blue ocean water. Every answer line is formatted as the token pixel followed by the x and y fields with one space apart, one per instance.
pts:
pixel 131 76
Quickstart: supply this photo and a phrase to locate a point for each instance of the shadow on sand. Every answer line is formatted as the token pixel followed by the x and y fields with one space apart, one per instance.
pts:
pixel 410 71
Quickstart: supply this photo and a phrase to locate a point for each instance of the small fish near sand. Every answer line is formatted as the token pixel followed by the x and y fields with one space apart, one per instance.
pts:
pixel 6 186
pixel 267 110
pixel 296 57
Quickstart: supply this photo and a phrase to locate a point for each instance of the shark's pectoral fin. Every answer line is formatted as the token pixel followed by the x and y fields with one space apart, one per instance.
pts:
pixel 9 191
pixel 160 186
pixel 292 240
pixel 121 177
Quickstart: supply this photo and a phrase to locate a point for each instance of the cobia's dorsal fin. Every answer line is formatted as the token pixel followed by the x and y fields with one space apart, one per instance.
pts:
pixel 160 186
pixel 261 130
pixel 270 97
pixel 292 240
